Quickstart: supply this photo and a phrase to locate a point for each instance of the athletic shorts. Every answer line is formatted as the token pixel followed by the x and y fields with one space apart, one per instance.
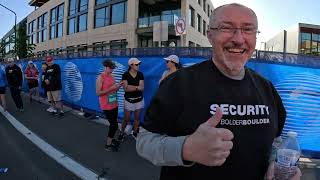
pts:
pixel 54 95
pixel 33 84
pixel 133 106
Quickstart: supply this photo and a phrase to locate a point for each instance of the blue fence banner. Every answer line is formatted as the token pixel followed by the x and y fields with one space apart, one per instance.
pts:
pixel 298 86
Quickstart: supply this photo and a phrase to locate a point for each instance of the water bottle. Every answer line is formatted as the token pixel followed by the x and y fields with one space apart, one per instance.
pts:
pixel 287 157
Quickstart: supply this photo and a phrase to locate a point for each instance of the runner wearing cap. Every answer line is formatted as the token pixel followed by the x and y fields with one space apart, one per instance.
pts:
pixel 14 78
pixel 31 74
pixel 173 65
pixel 53 84
pixel 106 89
pixel 133 84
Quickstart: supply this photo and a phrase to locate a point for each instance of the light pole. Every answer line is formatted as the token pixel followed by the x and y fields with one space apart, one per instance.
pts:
pixel 15 27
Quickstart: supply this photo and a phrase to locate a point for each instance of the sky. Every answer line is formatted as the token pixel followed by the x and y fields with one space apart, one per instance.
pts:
pixel 273 15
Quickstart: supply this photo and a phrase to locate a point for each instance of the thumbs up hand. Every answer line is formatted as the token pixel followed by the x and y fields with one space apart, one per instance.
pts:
pixel 209 145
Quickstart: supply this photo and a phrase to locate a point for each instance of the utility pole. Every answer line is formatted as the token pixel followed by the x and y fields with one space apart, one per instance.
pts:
pixel 15 27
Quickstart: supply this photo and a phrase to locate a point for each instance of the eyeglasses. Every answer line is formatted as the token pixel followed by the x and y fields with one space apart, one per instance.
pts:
pixel 136 64
pixel 232 30
pixel 168 61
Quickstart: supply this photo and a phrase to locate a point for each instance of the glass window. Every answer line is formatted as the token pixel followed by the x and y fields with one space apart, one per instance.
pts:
pixel 204 5
pixel 52 32
pixel 100 17
pixel 40 21
pixel 39 36
pixel 60 12
pixel 199 22
pixel 60 30
pixel 53 15
pixel 33 25
pixel 305 43
pixel 101 1
pixel 83 22
pixel 72 7
pixel 44 37
pixel 191 16
pixel 71 26
pixel 204 28
pixel 199 2
pixel 34 38
pixel 118 13
pixel 208 10
pixel 45 17
pixel 83 5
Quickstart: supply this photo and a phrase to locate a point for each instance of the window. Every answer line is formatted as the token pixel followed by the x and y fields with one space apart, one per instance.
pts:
pixel 72 7
pixel 56 21
pixel 199 22
pixel 72 26
pixel 83 5
pixel 204 5
pixel 305 46
pixel 110 13
pixel 204 28
pixel 32 32
pixel 208 10
pixel 191 44
pixel 101 1
pixel 78 14
pixel 118 44
pixel 101 17
pixel 83 22
pixel 42 28
pixel 119 13
pixel 191 16
pixel 199 2
pixel 315 44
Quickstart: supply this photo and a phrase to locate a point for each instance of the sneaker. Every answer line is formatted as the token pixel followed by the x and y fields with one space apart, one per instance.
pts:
pixel 50 109
pixel 121 137
pixel 111 148
pixel 115 142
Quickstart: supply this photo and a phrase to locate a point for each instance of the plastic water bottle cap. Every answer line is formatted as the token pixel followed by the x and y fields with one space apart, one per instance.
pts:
pixel 292 134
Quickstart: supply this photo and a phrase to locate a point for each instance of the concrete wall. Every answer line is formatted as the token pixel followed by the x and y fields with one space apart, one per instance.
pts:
pixel 293 39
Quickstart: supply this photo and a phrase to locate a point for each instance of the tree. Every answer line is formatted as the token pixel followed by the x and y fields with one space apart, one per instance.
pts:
pixel 24 49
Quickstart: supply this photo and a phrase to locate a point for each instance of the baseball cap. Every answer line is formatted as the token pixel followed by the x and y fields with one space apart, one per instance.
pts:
pixel 173 58
pixel 49 59
pixel 133 61
pixel 109 63
pixel 30 62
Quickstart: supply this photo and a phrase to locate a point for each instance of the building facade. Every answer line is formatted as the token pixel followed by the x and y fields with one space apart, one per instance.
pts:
pixel 114 24
pixel 8 40
pixel 299 39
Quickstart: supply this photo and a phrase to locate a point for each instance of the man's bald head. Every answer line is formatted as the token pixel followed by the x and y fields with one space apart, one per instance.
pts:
pixel 217 11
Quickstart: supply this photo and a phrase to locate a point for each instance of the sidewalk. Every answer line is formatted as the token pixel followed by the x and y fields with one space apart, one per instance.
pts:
pixel 83 140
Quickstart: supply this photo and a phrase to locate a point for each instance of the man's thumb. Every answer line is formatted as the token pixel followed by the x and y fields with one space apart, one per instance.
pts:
pixel 214 120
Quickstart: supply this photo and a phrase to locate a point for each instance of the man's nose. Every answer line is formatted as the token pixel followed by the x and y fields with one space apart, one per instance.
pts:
pixel 238 36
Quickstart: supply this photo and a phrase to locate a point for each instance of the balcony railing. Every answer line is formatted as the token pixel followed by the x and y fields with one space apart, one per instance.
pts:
pixel 148 21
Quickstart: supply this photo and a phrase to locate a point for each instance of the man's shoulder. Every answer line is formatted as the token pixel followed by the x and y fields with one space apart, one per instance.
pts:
pixel 195 68
pixel 258 76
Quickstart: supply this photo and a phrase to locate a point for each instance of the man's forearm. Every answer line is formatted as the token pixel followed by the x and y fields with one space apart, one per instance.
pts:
pixel 159 149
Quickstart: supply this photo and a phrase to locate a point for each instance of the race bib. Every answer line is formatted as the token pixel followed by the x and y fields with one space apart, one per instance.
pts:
pixel 112 98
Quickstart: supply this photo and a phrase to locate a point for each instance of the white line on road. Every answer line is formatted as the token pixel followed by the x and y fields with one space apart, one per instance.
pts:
pixel 67 162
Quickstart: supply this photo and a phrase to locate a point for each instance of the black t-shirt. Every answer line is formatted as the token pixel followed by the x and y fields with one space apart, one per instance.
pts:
pixel 14 75
pixel 252 110
pixel 53 74
pixel 134 96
